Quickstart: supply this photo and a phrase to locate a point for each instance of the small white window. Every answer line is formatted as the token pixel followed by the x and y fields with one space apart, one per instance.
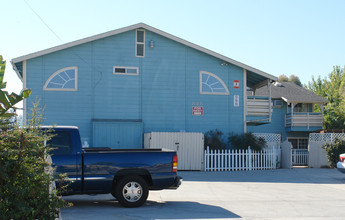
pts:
pixel 124 70
pixel 140 43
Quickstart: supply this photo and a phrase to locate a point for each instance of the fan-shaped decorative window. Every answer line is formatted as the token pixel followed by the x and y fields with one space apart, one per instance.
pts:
pixel 65 79
pixel 212 84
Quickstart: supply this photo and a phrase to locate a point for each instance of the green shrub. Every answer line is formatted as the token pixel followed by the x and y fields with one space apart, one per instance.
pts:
pixel 333 151
pixel 25 184
pixel 214 140
pixel 245 140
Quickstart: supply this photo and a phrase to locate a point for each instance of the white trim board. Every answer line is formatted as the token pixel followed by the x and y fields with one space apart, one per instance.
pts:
pixel 149 28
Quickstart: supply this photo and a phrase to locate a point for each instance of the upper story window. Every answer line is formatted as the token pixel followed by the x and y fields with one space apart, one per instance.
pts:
pixel 212 84
pixel 140 43
pixel 65 79
pixel 123 70
pixel 301 107
pixel 277 103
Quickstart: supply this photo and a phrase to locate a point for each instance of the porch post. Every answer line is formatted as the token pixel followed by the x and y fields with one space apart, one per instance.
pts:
pixel 269 100
pixel 292 106
pixel 245 100
pixel 322 109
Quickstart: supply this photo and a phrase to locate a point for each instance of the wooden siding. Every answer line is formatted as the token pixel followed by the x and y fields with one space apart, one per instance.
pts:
pixel 162 95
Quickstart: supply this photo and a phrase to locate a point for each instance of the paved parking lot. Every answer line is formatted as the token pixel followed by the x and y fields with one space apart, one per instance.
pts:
pixel 273 194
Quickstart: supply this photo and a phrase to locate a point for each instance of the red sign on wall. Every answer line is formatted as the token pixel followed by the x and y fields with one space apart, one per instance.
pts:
pixel 198 110
pixel 236 84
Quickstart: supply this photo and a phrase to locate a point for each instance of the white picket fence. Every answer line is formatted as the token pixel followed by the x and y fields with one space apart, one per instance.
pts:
pixel 300 157
pixel 233 160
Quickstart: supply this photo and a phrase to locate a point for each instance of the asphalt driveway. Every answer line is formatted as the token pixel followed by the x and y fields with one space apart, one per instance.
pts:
pixel 272 194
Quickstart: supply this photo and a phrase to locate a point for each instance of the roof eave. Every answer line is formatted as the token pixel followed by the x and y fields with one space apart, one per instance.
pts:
pixel 145 26
pixel 307 101
pixel 16 70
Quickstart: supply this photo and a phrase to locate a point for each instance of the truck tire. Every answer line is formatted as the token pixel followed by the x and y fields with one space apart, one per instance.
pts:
pixel 131 191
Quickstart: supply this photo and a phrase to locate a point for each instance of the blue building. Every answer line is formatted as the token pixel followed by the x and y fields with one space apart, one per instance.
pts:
pixel 118 85
pixel 294 115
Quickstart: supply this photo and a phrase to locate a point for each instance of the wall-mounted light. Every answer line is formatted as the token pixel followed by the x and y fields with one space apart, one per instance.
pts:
pixel 224 63
pixel 152 44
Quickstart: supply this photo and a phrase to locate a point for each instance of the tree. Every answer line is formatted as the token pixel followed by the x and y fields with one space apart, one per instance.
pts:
pixel 291 78
pixel 26 190
pixel 295 79
pixel 8 101
pixel 333 150
pixel 283 78
pixel 246 140
pixel 214 140
pixel 333 89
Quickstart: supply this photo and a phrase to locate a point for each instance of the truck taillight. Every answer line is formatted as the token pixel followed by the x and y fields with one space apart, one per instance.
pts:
pixel 175 163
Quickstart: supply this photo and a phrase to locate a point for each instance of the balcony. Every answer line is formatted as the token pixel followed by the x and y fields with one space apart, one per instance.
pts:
pixel 303 121
pixel 259 110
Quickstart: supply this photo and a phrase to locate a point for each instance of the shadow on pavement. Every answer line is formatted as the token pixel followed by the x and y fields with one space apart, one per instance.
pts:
pixel 85 208
pixel 296 175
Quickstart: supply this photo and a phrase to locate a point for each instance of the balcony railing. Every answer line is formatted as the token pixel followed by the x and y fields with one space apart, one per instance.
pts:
pixel 258 106
pixel 258 110
pixel 305 119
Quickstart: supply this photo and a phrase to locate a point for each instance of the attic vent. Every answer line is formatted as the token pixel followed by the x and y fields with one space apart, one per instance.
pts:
pixel 277 84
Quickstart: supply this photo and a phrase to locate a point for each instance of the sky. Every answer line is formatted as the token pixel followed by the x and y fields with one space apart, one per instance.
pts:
pixel 301 37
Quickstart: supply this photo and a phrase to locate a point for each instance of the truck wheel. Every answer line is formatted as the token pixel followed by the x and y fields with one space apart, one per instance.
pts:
pixel 131 191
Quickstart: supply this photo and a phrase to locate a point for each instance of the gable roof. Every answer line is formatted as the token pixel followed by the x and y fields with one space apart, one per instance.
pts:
pixel 255 73
pixel 291 93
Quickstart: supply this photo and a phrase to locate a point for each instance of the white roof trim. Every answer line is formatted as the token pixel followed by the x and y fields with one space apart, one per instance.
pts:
pixel 147 27
pixel 295 102
pixel 16 70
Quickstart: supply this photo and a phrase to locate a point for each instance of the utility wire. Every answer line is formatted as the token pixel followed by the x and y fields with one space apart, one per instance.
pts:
pixel 100 72
pixel 43 21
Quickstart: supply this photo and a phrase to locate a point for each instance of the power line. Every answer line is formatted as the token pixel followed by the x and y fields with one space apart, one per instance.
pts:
pixel 81 58
pixel 43 21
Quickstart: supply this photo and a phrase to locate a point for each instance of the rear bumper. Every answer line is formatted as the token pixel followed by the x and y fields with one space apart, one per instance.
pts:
pixel 341 167
pixel 177 182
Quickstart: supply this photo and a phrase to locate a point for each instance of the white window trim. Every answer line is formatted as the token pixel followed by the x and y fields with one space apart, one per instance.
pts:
pixel 63 89
pixel 212 93
pixel 136 42
pixel 126 74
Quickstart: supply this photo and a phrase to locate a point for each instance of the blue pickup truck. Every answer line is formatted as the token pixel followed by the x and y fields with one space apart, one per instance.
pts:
pixel 127 174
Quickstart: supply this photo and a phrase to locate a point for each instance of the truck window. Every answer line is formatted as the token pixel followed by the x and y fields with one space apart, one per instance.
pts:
pixel 61 143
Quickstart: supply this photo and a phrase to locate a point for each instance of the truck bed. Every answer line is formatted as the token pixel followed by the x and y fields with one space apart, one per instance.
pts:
pixel 109 150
